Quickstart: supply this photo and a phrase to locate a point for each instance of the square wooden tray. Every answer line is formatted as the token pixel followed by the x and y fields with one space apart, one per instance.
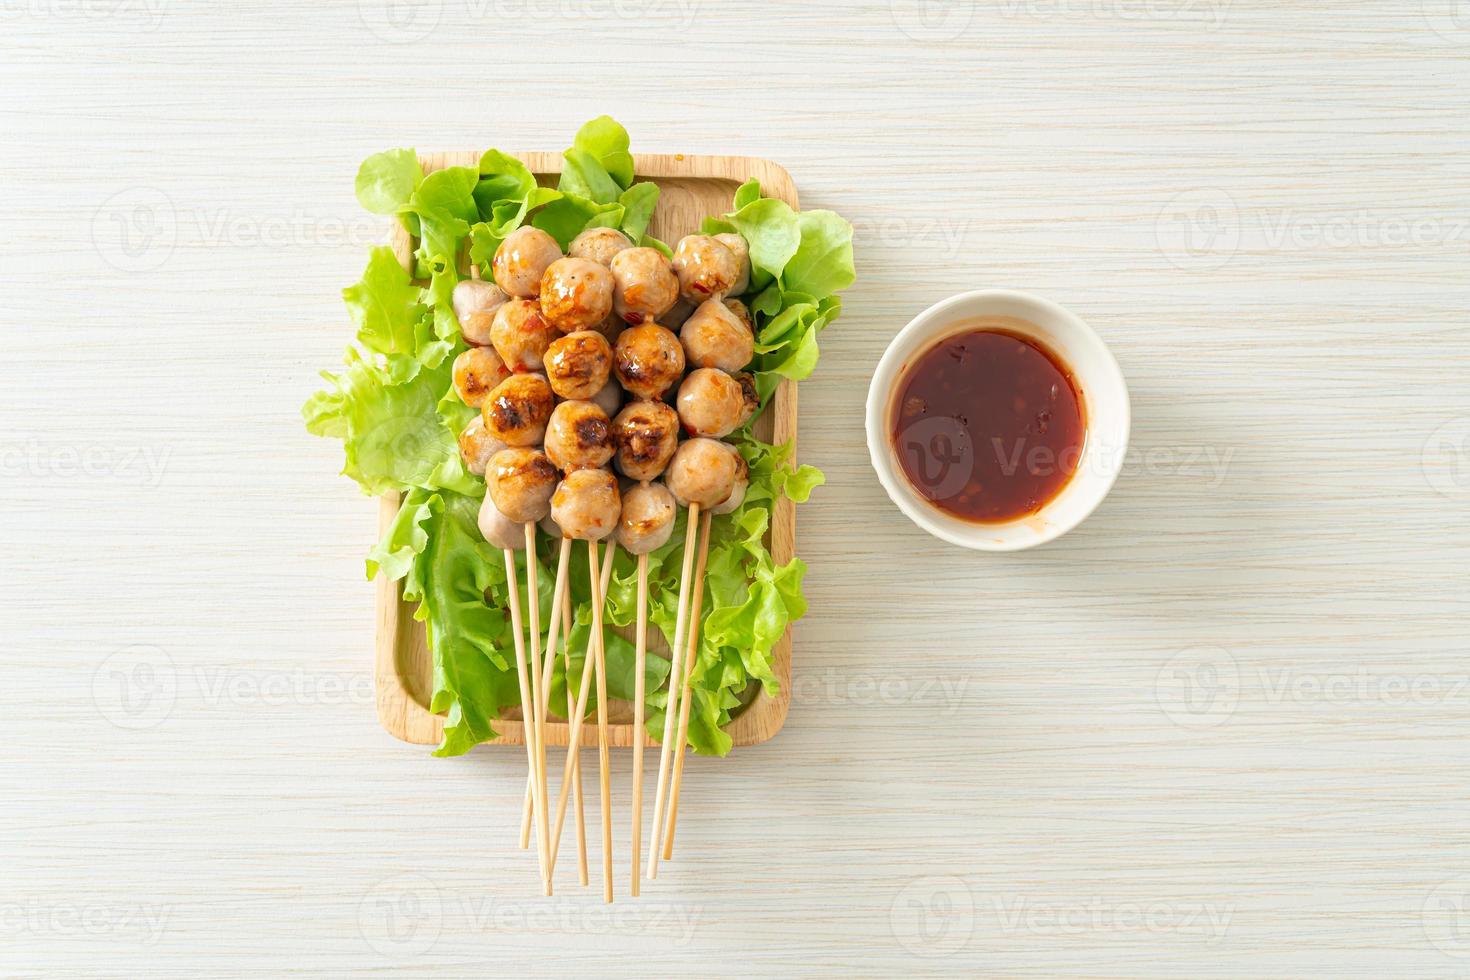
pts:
pixel 690 188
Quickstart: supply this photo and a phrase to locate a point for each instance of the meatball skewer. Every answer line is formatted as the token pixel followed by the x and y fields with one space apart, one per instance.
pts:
pixel 519 484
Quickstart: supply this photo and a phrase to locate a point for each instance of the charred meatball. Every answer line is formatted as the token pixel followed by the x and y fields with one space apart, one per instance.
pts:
pixel 576 294
pixel 715 337
pixel 710 403
pixel 475 302
pixel 705 266
pixel 750 397
pixel 599 245
pixel 644 284
pixel 522 259
pixel 521 482
pixel 477 372
pixel 521 334
pixel 517 411
pixel 647 520
pixel 646 434
pixel 579 436
pixel 648 359
pixel 579 364
pixel 586 505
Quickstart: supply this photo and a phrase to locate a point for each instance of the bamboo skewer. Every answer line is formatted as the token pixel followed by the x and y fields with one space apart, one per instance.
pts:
pixel 538 694
pixel 528 704
pixel 559 600
pixel 574 737
pixel 575 752
pixel 675 685
pixel 640 662
pixel 604 764
pixel 686 697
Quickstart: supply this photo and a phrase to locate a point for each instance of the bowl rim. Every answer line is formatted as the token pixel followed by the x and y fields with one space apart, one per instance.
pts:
pixel 908 341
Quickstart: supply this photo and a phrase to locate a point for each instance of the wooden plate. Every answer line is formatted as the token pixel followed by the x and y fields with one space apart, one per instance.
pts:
pixel 690 189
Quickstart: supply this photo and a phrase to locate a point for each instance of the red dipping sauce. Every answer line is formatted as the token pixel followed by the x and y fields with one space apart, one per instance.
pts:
pixel 987 425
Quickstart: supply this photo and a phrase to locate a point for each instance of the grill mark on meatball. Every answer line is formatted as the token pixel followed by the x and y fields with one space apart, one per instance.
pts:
pixel 510 414
pixel 591 431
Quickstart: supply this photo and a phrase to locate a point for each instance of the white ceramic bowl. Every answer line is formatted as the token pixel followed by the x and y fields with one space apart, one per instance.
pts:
pixel 1104 399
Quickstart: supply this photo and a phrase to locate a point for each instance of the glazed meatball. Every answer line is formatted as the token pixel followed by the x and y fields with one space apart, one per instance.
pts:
pixel 702 472
pixel 521 334
pixel 579 364
pixel 609 398
pixel 710 403
pixel 750 397
pixel 476 446
pixel 579 436
pixel 586 505
pixel 521 481
pixel 475 302
pixel 742 484
pixel 648 359
pixel 644 284
pixel 522 259
pixel 714 337
pixel 576 294
pixel 646 434
pixel 498 529
pixel 517 411
pixel 741 251
pixel 705 266
pixel 647 520
pixel 477 371
pixel 599 245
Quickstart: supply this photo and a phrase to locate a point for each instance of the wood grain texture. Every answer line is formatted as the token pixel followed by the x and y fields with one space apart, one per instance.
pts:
pixel 691 188
pixel 1221 730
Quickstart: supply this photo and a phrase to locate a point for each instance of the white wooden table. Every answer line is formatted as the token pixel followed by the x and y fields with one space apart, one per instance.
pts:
pixel 1222 729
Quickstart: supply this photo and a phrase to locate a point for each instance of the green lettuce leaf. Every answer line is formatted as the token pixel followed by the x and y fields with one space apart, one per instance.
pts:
pixel 386 181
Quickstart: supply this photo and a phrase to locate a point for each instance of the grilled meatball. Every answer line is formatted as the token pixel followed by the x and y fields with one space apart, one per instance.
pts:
pixel 742 483
pixel 498 529
pixel 644 284
pixel 586 505
pixel 705 266
pixel 702 472
pixel 715 337
pixel 579 364
pixel 521 334
pixel 648 359
pixel 741 251
pixel 517 411
pixel 710 403
pixel 521 260
pixel 579 436
pixel 609 398
pixel 576 294
pixel 475 302
pixel 599 245
pixel 750 397
pixel 647 520
pixel 521 482
pixel 476 446
pixel 646 434
pixel 476 373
